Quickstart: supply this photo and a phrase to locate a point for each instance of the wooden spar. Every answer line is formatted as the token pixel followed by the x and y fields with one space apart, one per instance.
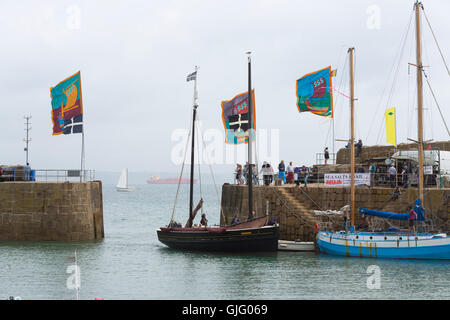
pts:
pixel 250 136
pixel 419 66
pixel 352 137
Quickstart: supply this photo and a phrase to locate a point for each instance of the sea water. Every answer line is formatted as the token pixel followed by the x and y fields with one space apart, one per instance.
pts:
pixel 130 262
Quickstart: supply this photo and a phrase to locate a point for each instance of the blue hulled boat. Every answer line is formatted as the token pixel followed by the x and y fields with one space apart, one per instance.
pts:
pixel 385 245
pixel 392 245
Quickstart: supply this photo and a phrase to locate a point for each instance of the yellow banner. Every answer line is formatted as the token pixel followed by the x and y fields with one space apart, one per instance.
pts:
pixel 389 115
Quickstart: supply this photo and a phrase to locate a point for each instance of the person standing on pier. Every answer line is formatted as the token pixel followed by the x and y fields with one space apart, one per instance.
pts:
pixel 405 173
pixel 267 173
pixel 238 174
pixel 245 172
pixel 255 174
pixel 27 170
pixel 358 147
pixel 281 171
pixel 372 171
pixel 392 173
pixel 326 155
pixel 305 174
pixel 290 171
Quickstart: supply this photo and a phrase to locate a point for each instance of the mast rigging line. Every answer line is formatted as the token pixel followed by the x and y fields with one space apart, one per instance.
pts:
pixel 332 126
pixel 210 169
pixel 356 125
pixel 396 73
pixel 337 100
pixel 198 156
pixel 181 175
pixel 399 54
pixel 435 40
pixel 435 100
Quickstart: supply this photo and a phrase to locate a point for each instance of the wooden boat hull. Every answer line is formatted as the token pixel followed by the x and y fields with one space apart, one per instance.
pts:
pixel 388 245
pixel 285 245
pixel 263 239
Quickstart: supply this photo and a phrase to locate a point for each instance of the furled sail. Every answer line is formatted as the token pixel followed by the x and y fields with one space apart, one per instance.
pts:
pixel 395 216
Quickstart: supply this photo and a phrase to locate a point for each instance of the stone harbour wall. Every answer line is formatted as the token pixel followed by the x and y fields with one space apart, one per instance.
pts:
pixel 370 152
pixel 51 211
pixel 294 206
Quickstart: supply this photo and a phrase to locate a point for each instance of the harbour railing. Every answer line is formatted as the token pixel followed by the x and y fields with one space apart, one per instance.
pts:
pixel 374 180
pixel 320 158
pixel 46 175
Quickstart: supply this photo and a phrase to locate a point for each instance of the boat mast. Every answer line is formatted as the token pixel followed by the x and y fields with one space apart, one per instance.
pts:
pixel 250 136
pixel 352 138
pixel 419 66
pixel 191 188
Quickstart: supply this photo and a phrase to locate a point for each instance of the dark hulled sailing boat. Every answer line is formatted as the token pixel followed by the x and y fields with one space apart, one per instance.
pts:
pixel 253 235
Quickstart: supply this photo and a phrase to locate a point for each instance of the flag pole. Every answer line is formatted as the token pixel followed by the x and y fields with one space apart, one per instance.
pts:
pixel 334 154
pixel 82 166
pixel 396 148
pixel 82 156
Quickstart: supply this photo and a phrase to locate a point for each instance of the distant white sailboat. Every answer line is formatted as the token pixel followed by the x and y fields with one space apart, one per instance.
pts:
pixel 122 185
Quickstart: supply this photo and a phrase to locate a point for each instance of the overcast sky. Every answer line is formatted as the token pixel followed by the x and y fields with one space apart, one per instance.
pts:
pixel 134 57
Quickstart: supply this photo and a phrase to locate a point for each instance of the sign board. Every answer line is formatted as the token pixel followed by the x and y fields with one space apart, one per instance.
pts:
pixel 343 179
pixel 428 169
pixel 73 173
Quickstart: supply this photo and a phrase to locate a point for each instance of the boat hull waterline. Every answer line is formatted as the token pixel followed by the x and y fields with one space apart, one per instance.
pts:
pixel 263 239
pixel 389 246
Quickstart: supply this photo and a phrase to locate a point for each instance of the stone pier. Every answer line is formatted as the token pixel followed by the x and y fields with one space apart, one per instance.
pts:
pixel 51 211
pixel 294 205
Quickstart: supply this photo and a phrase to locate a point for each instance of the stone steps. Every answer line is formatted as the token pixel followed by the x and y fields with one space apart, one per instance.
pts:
pixel 304 212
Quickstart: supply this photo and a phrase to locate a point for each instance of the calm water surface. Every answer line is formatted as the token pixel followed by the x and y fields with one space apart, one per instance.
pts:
pixel 130 263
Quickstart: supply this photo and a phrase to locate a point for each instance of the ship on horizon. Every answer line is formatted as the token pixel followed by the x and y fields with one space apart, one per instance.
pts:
pixel 158 180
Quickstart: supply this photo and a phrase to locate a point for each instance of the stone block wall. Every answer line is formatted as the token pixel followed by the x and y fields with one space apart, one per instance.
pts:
pixel 294 206
pixel 51 211
pixel 370 152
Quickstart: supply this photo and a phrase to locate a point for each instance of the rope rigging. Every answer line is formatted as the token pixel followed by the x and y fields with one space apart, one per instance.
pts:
pixel 396 73
pixel 437 104
pixel 435 40
pixel 199 170
pixel 181 175
pixel 337 99
pixel 210 169
pixel 200 137
pixel 394 64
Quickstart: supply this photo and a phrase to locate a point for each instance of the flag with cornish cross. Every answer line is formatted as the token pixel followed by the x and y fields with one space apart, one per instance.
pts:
pixel 235 118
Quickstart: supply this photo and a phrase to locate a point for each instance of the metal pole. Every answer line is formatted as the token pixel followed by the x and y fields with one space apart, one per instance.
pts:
pixel 334 154
pixel 82 134
pixel 250 136
pixel 27 139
